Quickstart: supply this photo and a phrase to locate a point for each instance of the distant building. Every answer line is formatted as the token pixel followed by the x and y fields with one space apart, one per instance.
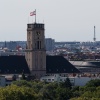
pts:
pixel 10 45
pixel 75 81
pixel 50 44
pixel 87 66
pixel 22 44
pixel 2 81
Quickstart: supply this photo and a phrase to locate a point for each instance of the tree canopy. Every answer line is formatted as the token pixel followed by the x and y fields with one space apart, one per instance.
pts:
pixel 36 90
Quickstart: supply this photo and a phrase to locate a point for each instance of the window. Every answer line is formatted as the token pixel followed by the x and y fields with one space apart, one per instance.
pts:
pixel 40 44
pixel 42 26
pixel 37 44
pixel 49 69
pixel 40 75
pixel 49 79
pixel 35 25
pixel 38 25
pixel 29 26
pixel 64 69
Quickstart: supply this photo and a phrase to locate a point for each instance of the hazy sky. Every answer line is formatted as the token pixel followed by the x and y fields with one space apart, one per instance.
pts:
pixel 65 20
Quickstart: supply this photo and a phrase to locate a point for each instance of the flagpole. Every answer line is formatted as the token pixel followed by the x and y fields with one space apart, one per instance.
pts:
pixel 35 15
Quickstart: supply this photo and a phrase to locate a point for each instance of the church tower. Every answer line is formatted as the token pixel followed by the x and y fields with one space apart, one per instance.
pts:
pixel 35 49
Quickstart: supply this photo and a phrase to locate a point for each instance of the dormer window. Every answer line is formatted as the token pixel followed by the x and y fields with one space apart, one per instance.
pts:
pixel 49 69
pixel 64 69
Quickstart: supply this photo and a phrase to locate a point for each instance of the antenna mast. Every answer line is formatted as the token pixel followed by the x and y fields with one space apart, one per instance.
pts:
pixel 94 35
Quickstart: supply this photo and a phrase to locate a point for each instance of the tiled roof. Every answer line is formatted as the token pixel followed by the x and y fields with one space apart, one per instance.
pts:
pixel 18 64
pixel 58 64
pixel 13 65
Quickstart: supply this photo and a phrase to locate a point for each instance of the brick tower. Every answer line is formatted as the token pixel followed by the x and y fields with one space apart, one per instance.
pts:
pixel 35 49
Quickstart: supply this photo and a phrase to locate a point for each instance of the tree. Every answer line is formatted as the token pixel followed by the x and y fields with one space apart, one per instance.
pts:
pixel 93 83
pixel 14 92
pixel 48 92
pixel 22 83
pixel 66 84
pixel 14 77
pixel 63 94
pixel 23 76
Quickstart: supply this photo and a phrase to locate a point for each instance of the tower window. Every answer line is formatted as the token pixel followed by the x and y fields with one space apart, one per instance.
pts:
pixel 29 26
pixel 37 44
pixel 40 44
pixel 42 26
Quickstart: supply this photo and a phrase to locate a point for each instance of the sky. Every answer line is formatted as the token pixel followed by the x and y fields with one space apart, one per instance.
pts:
pixel 65 20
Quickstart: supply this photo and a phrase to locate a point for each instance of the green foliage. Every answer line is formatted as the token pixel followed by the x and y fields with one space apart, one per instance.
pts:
pixel 32 84
pixel 35 90
pixel 48 91
pixel 93 83
pixel 75 88
pixel 63 93
pixel 91 91
pixel 22 83
pixel 23 76
pixel 66 84
pixel 14 92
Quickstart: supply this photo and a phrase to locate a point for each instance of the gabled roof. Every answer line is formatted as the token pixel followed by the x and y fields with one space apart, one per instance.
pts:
pixel 13 65
pixel 58 64
pixel 18 65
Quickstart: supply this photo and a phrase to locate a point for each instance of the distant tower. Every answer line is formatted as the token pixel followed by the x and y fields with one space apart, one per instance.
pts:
pixel 94 38
pixel 35 49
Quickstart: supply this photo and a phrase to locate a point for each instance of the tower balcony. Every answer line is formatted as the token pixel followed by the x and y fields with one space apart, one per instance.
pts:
pixel 35 26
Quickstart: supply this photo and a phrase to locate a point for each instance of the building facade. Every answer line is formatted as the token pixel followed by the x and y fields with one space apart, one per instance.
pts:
pixel 50 44
pixel 75 81
pixel 35 49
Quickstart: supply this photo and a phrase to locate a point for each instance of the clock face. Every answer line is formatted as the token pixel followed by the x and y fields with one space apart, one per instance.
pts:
pixel 38 33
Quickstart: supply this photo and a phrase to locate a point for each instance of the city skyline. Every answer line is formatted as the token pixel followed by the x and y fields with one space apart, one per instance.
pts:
pixel 65 20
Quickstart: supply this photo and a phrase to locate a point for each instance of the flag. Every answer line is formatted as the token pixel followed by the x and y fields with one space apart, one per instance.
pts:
pixel 33 13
